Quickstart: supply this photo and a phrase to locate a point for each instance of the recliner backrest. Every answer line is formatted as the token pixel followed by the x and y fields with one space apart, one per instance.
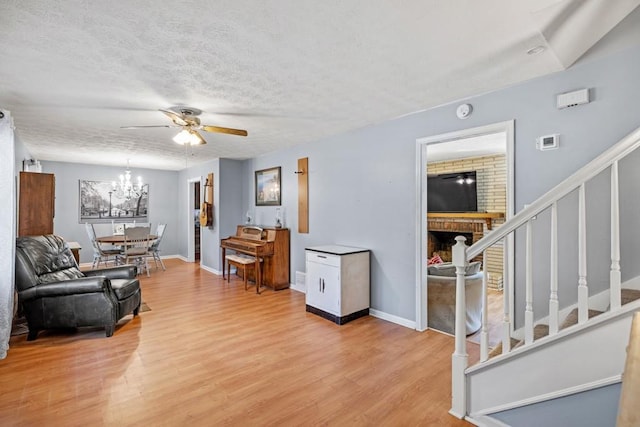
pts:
pixel 42 259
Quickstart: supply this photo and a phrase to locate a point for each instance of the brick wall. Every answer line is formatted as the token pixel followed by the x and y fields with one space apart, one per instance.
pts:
pixel 491 175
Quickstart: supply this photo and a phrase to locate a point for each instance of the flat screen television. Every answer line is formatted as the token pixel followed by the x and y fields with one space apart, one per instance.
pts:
pixel 452 192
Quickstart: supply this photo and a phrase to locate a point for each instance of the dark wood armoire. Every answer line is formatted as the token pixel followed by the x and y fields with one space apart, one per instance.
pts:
pixel 36 203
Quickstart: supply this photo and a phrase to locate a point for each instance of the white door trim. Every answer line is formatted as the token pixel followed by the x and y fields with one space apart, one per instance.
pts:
pixel 508 128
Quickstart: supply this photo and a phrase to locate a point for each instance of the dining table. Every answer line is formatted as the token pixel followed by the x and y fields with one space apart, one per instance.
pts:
pixel 118 239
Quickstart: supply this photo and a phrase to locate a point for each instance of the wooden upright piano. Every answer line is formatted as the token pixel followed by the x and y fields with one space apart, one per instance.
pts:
pixel 269 243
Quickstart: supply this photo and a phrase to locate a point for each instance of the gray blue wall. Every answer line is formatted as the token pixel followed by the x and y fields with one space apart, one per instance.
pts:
pixel 593 408
pixel 362 185
pixel 163 191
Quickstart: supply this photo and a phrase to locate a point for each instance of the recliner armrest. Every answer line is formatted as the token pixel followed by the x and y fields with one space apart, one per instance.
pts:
pixel 120 272
pixel 83 285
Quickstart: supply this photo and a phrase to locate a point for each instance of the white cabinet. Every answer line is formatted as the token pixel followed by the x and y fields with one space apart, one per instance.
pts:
pixel 337 280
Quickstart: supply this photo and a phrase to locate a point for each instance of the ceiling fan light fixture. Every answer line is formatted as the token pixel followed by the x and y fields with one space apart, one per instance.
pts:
pixel 189 136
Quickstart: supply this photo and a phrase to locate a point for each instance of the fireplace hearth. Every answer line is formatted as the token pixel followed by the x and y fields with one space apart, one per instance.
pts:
pixel 440 242
pixel 444 227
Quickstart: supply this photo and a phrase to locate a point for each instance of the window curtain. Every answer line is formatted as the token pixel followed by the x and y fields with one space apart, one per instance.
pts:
pixel 7 229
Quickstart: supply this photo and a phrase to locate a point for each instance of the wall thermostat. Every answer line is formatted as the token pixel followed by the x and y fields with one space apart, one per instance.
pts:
pixel 464 110
pixel 548 142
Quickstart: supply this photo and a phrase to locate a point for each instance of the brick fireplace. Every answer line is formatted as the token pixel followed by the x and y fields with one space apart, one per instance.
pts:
pixel 444 227
pixel 443 231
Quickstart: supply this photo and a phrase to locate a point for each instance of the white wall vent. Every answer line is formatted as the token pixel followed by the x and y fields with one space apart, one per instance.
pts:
pixel 571 99
pixel 300 281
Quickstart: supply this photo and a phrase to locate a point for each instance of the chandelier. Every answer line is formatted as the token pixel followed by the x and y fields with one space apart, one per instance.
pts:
pixel 127 189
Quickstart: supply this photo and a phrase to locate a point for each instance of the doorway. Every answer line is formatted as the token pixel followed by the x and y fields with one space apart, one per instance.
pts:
pixel 193 219
pixel 449 151
pixel 196 222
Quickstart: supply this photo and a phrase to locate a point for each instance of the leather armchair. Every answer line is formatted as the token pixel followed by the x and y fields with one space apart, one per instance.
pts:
pixel 54 293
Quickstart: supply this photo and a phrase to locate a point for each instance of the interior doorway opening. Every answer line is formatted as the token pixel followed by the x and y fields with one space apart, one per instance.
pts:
pixel 193 219
pixel 196 223
pixel 481 151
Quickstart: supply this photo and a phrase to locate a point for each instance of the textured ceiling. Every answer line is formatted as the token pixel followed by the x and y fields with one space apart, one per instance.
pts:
pixel 73 72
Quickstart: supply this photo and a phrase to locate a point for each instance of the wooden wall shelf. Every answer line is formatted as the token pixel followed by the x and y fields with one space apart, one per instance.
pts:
pixel 484 216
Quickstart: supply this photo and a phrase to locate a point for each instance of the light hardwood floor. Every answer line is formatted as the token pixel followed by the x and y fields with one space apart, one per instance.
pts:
pixel 210 353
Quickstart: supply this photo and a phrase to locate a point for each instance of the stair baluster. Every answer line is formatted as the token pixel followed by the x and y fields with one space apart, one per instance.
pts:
pixel 507 283
pixel 528 311
pixel 614 274
pixel 484 335
pixel 553 280
pixel 583 290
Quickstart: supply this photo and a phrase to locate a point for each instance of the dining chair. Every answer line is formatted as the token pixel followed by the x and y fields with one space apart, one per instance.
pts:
pixel 100 254
pixel 136 247
pixel 154 250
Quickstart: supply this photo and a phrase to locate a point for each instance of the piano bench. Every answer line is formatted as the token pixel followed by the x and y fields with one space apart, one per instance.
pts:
pixel 244 263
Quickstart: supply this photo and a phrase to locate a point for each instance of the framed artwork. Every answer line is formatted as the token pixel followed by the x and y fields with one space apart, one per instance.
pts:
pixel 99 202
pixel 268 187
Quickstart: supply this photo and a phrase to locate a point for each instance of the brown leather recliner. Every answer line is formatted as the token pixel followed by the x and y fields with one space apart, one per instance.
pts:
pixel 54 293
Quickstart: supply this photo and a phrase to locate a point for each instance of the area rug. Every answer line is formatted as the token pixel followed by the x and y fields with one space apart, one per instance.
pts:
pixel 19 326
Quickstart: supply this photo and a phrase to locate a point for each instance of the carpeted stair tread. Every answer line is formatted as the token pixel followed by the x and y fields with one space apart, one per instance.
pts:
pixel 497 350
pixel 572 318
pixel 539 331
pixel 542 330
pixel 629 295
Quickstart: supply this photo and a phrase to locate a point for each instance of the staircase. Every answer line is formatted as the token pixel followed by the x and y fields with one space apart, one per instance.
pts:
pixel 569 346
pixel 541 330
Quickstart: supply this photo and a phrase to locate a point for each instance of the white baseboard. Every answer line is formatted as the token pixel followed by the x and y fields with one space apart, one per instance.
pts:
pixel 298 288
pixel 632 283
pixel 211 270
pixel 485 421
pixel 393 319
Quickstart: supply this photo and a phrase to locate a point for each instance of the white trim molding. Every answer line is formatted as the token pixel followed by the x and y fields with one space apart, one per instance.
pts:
pixel 393 319
pixel 506 127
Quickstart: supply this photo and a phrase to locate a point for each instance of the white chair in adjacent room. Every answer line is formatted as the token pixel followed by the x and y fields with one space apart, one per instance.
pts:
pixel 136 247
pixel 154 250
pixel 100 254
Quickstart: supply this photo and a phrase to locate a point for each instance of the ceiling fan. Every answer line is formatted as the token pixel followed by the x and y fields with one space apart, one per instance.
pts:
pixel 187 118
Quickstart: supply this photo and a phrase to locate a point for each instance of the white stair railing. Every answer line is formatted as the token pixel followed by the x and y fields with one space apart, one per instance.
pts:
pixel 462 254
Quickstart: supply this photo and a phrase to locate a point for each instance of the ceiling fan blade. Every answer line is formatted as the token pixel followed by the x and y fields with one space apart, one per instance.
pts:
pixel 175 117
pixel 202 140
pixel 224 130
pixel 152 126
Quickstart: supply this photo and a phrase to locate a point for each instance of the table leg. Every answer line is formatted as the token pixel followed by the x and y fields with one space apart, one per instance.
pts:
pixel 258 275
pixel 224 256
pixel 76 255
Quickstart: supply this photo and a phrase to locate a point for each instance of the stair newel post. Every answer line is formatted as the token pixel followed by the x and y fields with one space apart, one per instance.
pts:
pixel 459 357
pixel 614 274
pixel 553 280
pixel 528 310
pixel 583 290
pixel 484 335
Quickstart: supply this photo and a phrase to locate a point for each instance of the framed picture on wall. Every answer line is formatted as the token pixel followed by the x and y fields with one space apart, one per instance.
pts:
pixel 100 201
pixel 268 187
